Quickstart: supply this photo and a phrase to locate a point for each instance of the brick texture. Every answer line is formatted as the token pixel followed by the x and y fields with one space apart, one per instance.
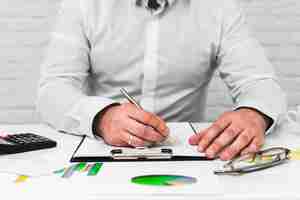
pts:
pixel 25 27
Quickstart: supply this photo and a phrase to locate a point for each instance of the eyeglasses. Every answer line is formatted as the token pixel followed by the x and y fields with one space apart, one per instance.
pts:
pixel 252 162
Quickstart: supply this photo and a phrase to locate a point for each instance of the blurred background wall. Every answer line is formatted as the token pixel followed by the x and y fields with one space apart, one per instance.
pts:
pixel 24 33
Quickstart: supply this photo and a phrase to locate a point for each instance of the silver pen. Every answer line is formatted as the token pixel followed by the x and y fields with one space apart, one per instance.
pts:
pixel 193 128
pixel 130 98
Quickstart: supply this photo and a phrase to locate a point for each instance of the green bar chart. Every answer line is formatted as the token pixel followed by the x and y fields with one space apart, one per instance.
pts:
pixel 90 169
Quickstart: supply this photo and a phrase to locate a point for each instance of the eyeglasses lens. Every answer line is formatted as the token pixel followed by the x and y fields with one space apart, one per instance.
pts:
pixel 255 159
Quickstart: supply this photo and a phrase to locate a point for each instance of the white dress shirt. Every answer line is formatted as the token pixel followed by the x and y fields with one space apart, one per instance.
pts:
pixel 165 61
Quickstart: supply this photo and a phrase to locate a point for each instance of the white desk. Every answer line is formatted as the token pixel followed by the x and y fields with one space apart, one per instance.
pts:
pixel 281 182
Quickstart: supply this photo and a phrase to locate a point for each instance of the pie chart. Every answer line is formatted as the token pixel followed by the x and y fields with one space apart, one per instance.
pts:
pixel 163 180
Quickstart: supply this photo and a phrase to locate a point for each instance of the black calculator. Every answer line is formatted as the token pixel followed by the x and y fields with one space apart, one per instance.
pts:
pixel 23 142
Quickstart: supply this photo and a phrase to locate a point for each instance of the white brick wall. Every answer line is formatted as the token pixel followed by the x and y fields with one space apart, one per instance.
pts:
pixel 24 33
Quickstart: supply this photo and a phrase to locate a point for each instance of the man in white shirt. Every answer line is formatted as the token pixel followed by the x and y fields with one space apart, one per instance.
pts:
pixel 164 52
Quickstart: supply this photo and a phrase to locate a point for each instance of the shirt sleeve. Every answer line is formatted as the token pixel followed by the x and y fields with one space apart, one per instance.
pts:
pixel 62 100
pixel 245 69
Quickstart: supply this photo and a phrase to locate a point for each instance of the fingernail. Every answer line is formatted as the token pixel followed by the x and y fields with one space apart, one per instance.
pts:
pixel 225 156
pixel 200 148
pixel 210 154
pixel 254 148
pixel 222 157
pixel 168 131
pixel 191 141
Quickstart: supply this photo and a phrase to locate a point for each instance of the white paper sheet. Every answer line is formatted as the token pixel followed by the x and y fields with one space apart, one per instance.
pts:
pixel 178 142
pixel 114 180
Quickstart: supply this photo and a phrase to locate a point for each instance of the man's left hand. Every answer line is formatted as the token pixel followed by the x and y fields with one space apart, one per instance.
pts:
pixel 241 131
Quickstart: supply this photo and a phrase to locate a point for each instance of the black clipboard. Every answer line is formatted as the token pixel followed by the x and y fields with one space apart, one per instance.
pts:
pixel 111 158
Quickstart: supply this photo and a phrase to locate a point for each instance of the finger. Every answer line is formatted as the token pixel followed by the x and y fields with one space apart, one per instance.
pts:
pixel 194 139
pixel 151 120
pixel 157 123
pixel 254 146
pixel 237 146
pixel 133 141
pixel 211 133
pixel 223 140
pixel 144 132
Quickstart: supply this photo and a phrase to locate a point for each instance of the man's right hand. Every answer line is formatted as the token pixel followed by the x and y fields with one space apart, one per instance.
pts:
pixel 127 125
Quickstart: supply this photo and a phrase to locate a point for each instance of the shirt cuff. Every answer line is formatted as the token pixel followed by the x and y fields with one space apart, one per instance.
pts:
pixel 83 113
pixel 268 113
pixel 97 119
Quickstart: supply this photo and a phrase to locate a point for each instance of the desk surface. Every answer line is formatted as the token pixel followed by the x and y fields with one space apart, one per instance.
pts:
pixel 281 182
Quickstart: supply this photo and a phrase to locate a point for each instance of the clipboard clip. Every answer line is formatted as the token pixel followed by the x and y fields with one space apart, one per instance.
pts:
pixel 142 154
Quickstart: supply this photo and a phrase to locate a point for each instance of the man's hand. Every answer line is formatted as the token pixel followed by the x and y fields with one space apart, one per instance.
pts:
pixel 127 125
pixel 235 132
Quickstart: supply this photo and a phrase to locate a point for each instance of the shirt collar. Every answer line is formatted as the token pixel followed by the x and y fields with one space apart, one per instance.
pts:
pixel 164 5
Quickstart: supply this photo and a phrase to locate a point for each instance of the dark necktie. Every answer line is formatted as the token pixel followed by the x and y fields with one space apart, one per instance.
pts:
pixel 153 4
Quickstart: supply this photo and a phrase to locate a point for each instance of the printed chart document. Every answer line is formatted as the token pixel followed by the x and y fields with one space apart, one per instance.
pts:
pixel 96 149
pixel 114 182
